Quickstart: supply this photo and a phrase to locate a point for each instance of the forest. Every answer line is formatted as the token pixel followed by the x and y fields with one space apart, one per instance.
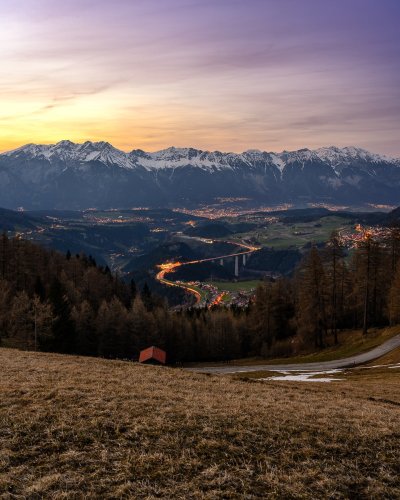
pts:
pixel 68 304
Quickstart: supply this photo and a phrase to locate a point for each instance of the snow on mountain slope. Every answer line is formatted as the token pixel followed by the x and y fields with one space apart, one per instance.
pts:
pixel 95 174
pixel 180 157
pixel 66 151
pixel 103 152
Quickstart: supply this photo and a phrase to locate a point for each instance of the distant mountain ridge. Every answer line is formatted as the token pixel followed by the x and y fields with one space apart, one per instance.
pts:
pixel 67 151
pixel 95 174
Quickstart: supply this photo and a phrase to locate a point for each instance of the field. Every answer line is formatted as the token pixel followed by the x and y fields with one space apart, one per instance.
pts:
pixel 236 286
pixel 73 427
pixel 281 235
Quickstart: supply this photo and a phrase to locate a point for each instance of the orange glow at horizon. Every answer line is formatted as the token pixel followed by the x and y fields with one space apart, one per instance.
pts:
pixel 227 76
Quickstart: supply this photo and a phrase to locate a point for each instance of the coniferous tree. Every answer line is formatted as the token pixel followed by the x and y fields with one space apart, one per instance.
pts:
pixel 143 326
pixel 380 281
pixel 312 299
pixel 334 256
pixel 113 329
pixel 39 288
pixel 133 289
pixel 43 320
pixel 5 301
pixel 21 321
pixel 394 299
pixel 393 243
pixel 366 248
pixel 264 320
pixel 63 327
pixel 147 297
pixel 368 277
pixel 4 255
pixel 85 326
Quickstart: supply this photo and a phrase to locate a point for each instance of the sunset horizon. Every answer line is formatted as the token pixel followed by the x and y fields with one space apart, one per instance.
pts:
pixel 230 76
pixel 128 149
pixel 196 195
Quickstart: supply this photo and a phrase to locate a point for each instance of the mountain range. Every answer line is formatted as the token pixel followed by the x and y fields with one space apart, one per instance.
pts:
pixel 96 174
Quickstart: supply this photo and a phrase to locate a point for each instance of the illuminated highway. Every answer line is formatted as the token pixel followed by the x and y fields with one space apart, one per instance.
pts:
pixel 170 267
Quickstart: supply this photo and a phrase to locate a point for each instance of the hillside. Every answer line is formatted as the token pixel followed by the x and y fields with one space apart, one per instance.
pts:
pixel 215 230
pixel 17 221
pixel 95 174
pixel 83 427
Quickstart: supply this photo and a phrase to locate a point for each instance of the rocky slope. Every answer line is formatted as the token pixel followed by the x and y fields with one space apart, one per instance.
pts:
pixel 79 176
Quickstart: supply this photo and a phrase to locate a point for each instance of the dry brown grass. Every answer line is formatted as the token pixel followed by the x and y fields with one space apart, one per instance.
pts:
pixel 391 357
pixel 73 427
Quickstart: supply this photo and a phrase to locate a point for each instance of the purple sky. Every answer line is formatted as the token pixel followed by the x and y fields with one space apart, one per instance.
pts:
pixel 222 74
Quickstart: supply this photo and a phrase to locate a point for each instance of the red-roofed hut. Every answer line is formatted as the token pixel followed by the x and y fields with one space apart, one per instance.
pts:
pixel 153 356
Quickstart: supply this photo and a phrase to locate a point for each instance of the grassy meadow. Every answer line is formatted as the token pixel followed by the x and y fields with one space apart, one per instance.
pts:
pixel 280 234
pixel 75 427
pixel 236 286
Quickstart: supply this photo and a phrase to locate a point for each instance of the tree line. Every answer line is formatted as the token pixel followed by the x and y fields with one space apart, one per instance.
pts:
pixel 69 304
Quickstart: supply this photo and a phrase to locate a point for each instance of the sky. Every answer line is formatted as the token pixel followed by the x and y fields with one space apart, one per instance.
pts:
pixel 226 75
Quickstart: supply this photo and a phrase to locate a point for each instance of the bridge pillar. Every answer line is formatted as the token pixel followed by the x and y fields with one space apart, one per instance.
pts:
pixel 237 266
pixel 221 262
pixel 244 259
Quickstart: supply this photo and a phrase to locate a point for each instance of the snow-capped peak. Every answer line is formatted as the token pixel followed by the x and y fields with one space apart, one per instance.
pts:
pixel 333 154
pixel 173 157
pixel 66 150
pixel 253 151
pixel 31 150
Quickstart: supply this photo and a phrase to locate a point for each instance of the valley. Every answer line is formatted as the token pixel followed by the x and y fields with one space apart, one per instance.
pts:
pixel 200 250
pixel 211 296
pixel 218 259
pixel 278 203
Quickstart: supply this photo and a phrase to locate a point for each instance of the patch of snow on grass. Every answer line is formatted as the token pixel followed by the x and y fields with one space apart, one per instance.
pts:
pixel 304 376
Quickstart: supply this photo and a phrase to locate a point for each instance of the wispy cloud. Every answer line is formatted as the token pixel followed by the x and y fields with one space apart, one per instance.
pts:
pixel 230 74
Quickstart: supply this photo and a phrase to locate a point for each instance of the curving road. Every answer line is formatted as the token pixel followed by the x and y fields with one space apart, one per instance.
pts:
pixel 358 359
pixel 169 267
